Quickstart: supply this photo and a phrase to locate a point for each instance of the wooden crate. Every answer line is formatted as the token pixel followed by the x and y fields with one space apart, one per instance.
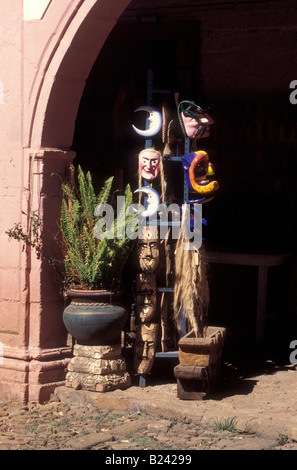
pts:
pixel 198 371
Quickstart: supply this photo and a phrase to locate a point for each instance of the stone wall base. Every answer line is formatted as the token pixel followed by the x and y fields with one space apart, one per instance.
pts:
pixel 32 375
pixel 97 369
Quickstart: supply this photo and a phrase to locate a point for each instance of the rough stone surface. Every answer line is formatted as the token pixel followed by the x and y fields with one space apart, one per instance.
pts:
pixel 251 411
pixel 97 352
pixel 97 369
pixel 97 382
pixel 97 366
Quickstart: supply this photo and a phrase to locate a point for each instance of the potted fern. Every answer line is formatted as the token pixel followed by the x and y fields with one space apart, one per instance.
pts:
pixel 93 265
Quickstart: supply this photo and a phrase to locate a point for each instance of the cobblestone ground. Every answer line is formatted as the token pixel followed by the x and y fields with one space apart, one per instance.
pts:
pixel 252 412
pixel 60 426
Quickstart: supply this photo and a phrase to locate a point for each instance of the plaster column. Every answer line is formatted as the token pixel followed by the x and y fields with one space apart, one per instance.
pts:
pixel 34 369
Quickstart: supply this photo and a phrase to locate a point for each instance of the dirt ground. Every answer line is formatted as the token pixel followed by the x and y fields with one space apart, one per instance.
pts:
pixel 254 408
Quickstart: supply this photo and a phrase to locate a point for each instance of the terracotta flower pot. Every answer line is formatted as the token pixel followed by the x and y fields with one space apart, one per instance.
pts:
pixel 94 317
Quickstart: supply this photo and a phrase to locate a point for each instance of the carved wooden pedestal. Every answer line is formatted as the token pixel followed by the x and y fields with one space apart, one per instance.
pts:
pixel 97 369
pixel 198 372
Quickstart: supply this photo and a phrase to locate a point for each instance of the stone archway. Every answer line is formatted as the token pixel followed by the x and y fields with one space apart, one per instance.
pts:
pixel 60 81
pixel 59 52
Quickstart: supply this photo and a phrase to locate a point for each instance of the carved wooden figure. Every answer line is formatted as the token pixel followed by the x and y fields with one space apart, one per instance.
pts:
pixel 145 347
pixel 146 298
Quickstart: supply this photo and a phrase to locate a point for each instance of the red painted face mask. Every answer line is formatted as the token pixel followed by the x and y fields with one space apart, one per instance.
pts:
pixel 149 164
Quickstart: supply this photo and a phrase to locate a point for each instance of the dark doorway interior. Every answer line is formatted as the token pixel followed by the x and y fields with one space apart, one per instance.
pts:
pixel 104 139
pixel 253 149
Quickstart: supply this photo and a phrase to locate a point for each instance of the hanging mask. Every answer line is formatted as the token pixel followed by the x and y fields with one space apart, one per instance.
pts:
pixel 154 121
pixel 194 120
pixel 149 164
pixel 198 170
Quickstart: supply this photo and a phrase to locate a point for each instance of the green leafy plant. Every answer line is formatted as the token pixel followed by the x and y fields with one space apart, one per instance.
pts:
pixel 90 262
pixel 226 424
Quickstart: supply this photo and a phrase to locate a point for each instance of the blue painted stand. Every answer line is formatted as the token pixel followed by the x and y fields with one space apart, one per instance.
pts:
pixel 148 143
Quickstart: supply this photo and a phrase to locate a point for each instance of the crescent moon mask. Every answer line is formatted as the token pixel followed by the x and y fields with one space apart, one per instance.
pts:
pixel 154 121
pixel 153 201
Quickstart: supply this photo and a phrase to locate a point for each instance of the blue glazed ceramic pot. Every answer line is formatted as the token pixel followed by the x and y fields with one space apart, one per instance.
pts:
pixel 94 317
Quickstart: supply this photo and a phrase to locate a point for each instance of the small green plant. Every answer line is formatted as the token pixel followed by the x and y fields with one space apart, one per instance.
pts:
pixel 32 426
pixel 90 262
pixel 210 436
pixel 143 440
pixel 114 416
pixel 226 424
pixel 282 439
pixel 31 237
pixel 108 416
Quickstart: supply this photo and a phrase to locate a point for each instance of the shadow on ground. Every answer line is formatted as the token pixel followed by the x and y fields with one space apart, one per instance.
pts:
pixel 239 370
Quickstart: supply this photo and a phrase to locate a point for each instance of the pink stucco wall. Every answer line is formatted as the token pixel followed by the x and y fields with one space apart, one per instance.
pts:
pixel 43 68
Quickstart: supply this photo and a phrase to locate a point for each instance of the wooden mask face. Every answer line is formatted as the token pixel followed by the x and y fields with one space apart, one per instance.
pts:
pixel 148 251
pixel 146 297
pixel 145 347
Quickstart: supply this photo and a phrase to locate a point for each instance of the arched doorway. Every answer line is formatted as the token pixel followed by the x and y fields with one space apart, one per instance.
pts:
pixel 65 65
pixel 57 87
pixel 74 59
pixel 77 32
pixel 156 37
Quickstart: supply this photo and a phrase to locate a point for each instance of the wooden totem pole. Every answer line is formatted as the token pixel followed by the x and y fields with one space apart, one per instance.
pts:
pixel 148 248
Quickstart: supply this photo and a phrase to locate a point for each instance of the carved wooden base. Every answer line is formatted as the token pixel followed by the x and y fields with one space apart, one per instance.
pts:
pixel 200 361
pixel 192 382
pixel 97 369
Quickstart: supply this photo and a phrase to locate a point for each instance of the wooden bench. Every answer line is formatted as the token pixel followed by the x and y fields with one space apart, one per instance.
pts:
pixel 263 262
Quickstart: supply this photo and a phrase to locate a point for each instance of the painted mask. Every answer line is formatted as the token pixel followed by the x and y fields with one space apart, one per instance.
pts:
pixel 152 203
pixel 198 169
pixel 194 121
pixel 149 164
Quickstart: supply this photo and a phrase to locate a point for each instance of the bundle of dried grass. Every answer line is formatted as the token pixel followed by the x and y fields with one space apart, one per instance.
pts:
pixel 191 292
